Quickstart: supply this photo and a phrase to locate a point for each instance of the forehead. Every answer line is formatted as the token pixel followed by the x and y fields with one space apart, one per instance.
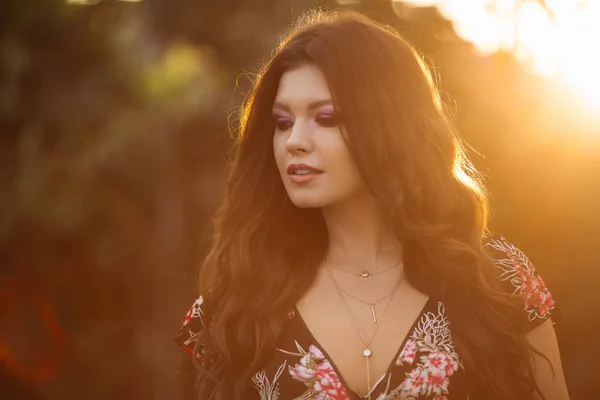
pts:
pixel 302 85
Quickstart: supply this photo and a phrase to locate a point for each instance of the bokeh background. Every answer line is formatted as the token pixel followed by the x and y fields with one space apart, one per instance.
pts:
pixel 115 121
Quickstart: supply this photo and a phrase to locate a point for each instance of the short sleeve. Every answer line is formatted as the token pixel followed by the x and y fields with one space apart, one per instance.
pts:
pixel 519 277
pixel 191 327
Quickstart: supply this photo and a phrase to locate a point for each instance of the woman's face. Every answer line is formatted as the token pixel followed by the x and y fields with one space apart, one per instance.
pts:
pixel 315 164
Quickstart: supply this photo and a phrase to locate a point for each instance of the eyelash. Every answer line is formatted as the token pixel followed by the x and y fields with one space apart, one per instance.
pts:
pixel 324 120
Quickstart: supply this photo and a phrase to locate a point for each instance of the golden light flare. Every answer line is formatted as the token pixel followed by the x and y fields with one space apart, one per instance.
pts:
pixel 555 38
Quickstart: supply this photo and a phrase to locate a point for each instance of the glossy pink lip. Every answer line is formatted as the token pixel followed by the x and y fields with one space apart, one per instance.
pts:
pixel 314 172
pixel 292 167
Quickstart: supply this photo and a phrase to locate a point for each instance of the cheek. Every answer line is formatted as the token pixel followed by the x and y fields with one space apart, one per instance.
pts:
pixel 279 151
pixel 342 163
pixel 349 172
pixel 340 155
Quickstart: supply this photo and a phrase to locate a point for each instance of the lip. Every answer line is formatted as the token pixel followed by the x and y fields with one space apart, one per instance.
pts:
pixel 292 167
pixel 314 172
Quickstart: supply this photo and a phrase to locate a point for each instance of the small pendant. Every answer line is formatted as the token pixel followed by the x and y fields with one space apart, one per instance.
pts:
pixel 365 274
pixel 367 353
pixel 374 315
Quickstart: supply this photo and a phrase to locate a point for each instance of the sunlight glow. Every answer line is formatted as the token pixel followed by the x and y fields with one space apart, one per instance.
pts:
pixel 558 41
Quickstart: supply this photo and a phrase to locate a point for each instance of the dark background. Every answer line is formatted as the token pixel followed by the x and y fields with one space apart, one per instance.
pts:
pixel 115 123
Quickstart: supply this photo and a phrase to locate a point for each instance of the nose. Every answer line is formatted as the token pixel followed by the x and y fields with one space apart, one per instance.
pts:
pixel 300 140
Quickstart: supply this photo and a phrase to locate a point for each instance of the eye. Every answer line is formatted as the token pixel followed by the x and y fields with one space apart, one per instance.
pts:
pixel 327 120
pixel 282 124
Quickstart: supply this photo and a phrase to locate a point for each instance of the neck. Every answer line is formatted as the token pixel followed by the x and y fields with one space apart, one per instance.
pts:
pixel 360 238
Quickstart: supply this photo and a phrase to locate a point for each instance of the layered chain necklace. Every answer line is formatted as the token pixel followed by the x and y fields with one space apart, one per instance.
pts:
pixel 367 352
pixel 366 274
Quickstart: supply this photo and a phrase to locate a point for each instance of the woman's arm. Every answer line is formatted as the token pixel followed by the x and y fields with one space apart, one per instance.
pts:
pixel 552 386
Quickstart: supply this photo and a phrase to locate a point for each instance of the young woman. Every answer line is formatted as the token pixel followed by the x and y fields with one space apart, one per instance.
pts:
pixel 351 257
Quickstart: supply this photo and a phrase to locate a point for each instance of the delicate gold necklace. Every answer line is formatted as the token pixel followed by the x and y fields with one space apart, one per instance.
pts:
pixel 367 352
pixel 372 304
pixel 365 273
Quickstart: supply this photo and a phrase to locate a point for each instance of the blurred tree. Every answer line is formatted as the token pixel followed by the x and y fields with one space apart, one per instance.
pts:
pixel 78 156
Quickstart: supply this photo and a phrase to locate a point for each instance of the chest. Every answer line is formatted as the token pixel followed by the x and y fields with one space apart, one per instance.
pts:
pixel 346 332
pixel 417 362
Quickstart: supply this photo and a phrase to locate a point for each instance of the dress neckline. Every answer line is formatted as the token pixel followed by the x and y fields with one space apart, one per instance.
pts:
pixel 392 364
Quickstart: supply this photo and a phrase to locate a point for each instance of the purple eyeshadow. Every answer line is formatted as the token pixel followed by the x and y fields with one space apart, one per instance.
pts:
pixel 326 110
pixel 280 115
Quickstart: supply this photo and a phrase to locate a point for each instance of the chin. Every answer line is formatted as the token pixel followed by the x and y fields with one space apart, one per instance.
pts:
pixel 307 202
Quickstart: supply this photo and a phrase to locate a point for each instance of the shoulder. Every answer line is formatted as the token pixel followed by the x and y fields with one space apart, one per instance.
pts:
pixel 520 277
pixel 191 326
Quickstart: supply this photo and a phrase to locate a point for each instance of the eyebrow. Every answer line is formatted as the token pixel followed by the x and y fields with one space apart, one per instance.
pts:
pixel 311 106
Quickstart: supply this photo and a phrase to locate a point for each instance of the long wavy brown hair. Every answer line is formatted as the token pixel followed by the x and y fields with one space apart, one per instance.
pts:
pixel 411 159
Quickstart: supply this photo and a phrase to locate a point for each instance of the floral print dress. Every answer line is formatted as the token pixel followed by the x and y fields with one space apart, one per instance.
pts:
pixel 425 367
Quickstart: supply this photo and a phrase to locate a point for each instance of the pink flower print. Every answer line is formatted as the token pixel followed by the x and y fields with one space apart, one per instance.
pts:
pixel 440 361
pixel 452 364
pixel 436 361
pixel 305 370
pixel 416 381
pixel 188 316
pixel 440 398
pixel 316 353
pixel 193 312
pixel 317 374
pixel 408 358
pixel 437 382
pixel 328 384
pixel 187 319
pixel 520 271
pixel 409 352
pixel 546 303
pixel 307 361
pixel 534 292
pixel 530 284
pixel 301 373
